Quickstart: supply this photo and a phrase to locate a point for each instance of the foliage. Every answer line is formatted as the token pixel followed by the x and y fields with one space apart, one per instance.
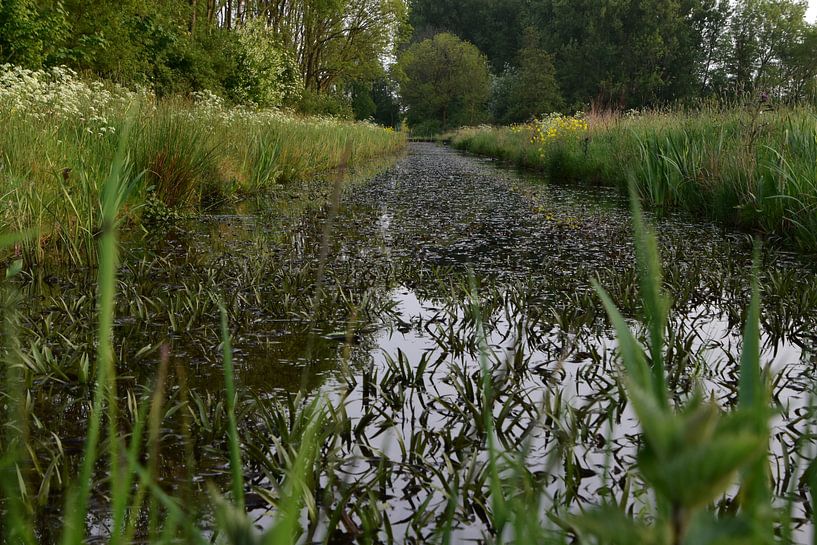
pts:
pixel 247 50
pixel 527 89
pixel 267 74
pixel 385 95
pixel 495 27
pixel 62 134
pixel 691 454
pixel 22 33
pixel 479 453
pixel 444 80
pixel 332 104
pixel 761 41
pixel 640 53
pixel 752 169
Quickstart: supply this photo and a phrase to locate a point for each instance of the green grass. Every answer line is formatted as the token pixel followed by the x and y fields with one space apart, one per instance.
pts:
pixel 130 479
pixel 691 452
pixel 183 156
pixel 752 169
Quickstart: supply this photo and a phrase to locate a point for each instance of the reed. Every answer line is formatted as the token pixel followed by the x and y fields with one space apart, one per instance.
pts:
pixel 749 168
pixel 60 136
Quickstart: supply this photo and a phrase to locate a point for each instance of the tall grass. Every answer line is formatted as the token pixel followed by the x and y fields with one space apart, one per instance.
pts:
pixel 130 480
pixel 691 453
pixel 60 137
pixel 748 168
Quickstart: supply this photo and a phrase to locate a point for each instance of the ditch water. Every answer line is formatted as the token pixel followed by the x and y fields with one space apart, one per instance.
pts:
pixel 379 303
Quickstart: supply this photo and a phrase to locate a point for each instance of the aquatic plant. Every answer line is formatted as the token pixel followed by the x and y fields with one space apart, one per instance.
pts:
pixel 752 169
pixel 520 420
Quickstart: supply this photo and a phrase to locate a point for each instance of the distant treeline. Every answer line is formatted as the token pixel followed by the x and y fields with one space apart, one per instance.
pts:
pixel 623 54
pixel 314 55
pixel 337 56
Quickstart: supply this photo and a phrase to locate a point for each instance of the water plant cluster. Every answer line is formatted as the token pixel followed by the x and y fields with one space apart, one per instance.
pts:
pixel 752 168
pixel 262 384
pixel 61 132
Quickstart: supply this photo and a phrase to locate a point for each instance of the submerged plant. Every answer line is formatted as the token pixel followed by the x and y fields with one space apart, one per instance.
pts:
pixel 691 454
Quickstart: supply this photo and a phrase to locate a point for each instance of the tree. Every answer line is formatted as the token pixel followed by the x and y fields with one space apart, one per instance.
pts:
pixel 626 53
pixel 362 102
pixel 377 101
pixel 529 88
pixel 763 35
pixel 336 41
pixel 444 82
pixel 267 73
pixel 28 31
pixel 494 26
pixel 387 104
pixel 708 20
pixel 800 64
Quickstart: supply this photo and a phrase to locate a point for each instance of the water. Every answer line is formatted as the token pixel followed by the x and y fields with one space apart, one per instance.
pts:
pixel 349 300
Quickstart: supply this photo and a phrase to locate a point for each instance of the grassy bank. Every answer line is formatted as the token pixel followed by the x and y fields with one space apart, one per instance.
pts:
pixel 61 133
pixel 752 169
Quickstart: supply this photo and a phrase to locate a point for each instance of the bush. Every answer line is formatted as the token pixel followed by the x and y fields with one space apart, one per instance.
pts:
pixel 313 102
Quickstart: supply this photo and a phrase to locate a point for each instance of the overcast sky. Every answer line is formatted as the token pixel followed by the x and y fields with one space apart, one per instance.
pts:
pixel 812 10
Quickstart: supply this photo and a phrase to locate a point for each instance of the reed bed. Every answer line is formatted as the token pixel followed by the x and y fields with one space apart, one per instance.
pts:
pixel 60 136
pixel 753 168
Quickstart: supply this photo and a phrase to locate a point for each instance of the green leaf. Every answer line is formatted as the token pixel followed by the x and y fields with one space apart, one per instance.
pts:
pixel 656 304
pixel 753 402
pixel 609 525
pixel 697 474
pixel 751 389
pixel 705 529
pixel 656 420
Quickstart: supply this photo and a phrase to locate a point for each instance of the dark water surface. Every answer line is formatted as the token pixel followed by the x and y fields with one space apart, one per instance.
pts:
pixel 351 301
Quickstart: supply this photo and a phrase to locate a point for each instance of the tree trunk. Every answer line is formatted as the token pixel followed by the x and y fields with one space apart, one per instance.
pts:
pixel 193 9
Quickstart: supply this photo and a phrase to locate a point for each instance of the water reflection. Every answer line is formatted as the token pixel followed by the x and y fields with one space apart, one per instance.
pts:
pixel 392 336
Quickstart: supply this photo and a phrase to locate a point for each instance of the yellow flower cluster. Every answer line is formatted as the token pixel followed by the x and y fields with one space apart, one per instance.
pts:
pixel 558 127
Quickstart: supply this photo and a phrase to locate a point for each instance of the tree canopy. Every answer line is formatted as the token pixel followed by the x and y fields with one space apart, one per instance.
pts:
pixel 260 51
pixel 444 82
pixel 336 56
pixel 529 88
pixel 635 53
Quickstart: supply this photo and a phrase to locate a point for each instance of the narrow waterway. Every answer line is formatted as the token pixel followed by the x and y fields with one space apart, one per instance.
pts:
pixel 378 301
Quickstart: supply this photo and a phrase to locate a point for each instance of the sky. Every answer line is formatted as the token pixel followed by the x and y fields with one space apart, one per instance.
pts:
pixel 812 10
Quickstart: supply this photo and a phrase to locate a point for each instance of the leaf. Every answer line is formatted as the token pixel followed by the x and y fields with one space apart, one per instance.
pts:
pixel 295 491
pixel 705 529
pixel 751 390
pixel 753 401
pixel 609 525
pixel 656 305
pixel 697 474
pixel 656 420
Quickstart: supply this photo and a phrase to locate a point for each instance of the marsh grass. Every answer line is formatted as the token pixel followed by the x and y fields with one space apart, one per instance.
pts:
pixel 472 468
pixel 131 481
pixel 751 168
pixel 60 137
pixel 461 456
